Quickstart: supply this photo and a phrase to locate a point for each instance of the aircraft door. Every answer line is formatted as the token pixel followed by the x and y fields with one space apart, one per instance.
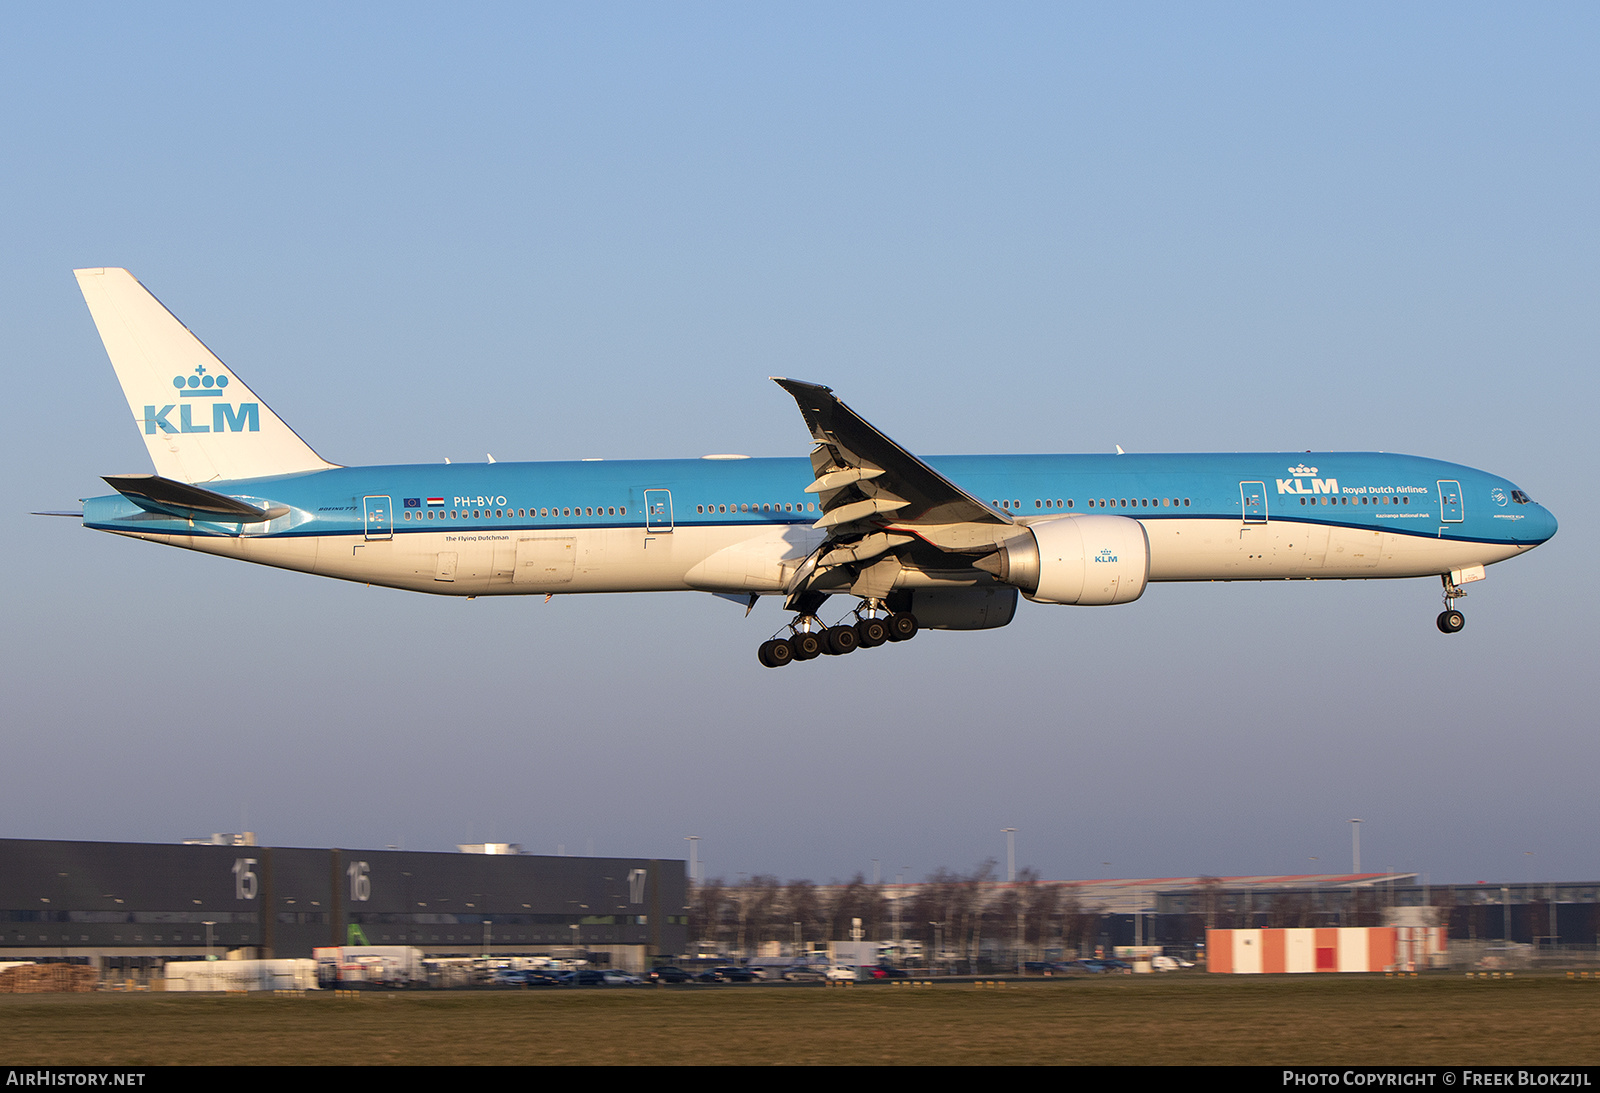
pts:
pixel 1450 507
pixel 1253 502
pixel 380 517
pixel 657 510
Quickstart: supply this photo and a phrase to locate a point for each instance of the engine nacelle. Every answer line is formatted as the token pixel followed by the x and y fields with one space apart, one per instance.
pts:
pixel 1086 560
pixel 963 608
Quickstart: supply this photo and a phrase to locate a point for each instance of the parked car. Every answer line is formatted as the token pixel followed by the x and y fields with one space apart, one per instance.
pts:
pixel 729 974
pixel 669 974
pixel 804 973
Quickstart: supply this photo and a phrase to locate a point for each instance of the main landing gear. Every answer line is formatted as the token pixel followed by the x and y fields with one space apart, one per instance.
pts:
pixel 867 632
pixel 1450 620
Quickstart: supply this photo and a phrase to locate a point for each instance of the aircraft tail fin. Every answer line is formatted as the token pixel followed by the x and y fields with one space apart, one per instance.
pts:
pixel 199 420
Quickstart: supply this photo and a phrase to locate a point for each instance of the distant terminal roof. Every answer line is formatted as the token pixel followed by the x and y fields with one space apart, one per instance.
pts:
pixel 1128 894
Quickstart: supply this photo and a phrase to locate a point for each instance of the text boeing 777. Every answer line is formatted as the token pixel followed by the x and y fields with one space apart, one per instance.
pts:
pixel 944 543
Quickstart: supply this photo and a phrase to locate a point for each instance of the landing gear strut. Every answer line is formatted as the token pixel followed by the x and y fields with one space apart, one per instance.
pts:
pixel 808 637
pixel 1450 620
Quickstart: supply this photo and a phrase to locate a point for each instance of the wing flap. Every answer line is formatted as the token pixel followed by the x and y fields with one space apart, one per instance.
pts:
pixel 853 457
pixel 884 510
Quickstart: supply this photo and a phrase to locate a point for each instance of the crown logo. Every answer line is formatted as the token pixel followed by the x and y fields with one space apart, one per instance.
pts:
pixel 200 385
pixel 1302 469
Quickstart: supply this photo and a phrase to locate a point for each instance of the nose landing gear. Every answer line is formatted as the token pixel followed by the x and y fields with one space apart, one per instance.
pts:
pixel 1450 620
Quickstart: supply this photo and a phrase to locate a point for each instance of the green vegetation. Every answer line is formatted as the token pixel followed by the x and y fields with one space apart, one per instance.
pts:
pixel 1445 1020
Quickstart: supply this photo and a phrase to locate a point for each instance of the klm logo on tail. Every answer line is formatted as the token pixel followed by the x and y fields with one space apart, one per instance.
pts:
pixel 245 417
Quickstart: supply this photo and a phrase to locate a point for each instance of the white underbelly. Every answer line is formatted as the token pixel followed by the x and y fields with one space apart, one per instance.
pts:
pixel 1210 550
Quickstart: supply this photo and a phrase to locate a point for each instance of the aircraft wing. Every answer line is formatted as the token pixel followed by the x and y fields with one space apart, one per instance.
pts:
pixel 882 507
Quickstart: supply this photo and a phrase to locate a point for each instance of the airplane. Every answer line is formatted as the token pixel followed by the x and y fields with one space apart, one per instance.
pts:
pixel 947 543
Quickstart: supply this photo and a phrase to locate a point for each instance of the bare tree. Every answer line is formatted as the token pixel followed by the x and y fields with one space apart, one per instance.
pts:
pixel 858 899
pixel 948 909
pixel 1040 905
pixel 706 909
pixel 760 897
pixel 802 904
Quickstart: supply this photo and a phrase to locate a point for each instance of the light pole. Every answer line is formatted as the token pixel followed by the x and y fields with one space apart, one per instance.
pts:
pixel 894 912
pixel 694 846
pixel 577 912
pixel 1011 878
pixel 1355 846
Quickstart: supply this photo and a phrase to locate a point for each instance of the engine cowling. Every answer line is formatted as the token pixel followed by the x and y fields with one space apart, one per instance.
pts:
pixel 1087 560
pixel 963 608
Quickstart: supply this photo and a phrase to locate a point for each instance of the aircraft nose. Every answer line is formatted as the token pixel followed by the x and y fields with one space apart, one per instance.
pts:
pixel 1541 525
pixel 1549 522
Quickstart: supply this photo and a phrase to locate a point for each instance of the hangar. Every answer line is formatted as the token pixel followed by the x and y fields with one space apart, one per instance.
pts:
pixel 135 905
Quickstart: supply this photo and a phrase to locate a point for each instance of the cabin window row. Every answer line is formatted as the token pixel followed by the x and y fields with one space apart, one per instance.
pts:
pixel 1100 502
pixel 515 514
pixel 1362 500
pixel 795 506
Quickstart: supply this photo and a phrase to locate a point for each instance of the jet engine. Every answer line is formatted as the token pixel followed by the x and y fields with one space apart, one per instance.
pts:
pixel 1087 560
pixel 963 608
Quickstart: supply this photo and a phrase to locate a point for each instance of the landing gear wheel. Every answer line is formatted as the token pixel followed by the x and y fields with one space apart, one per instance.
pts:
pixel 806 645
pixel 775 653
pixel 871 633
pixel 840 640
pixel 1451 622
pixel 902 626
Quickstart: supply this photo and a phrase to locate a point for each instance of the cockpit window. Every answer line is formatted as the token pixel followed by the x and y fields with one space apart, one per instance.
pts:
pixel 1521 498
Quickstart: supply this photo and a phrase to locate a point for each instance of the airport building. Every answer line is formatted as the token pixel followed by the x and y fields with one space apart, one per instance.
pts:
pixel 132 906
pixel 983 926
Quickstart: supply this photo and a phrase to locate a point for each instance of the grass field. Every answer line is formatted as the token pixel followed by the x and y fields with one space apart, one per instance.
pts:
pixel 1439 1020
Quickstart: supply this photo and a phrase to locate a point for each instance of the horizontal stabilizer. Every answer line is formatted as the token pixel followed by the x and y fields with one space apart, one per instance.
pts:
pixel 153 493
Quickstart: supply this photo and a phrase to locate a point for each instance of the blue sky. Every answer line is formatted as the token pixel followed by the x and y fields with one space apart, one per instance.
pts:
pixel 594 230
